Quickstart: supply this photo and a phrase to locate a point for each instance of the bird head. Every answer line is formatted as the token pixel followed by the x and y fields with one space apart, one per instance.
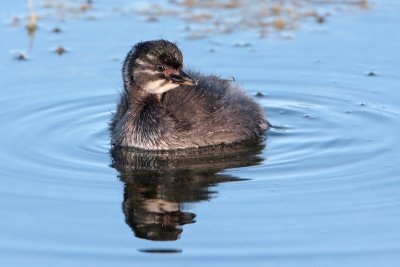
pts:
pixel 155 67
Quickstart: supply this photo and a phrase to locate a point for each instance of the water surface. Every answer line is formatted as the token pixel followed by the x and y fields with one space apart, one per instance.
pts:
pixel 322 190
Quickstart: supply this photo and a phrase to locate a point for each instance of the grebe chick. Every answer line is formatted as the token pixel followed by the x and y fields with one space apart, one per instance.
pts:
pixel 164 108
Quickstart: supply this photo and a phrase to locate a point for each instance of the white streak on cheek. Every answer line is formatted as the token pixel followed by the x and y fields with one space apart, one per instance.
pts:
pixel 151 86
pixel 146 71
pixel 157 87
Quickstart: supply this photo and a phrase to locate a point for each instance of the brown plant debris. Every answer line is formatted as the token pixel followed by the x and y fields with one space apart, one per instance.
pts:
pixel 206 17
pixel 60 50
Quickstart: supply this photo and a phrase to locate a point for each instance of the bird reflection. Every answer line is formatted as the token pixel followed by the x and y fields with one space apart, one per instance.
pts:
pixel 160 185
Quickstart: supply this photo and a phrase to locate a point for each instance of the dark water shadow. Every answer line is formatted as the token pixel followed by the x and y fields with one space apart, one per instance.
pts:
pixel 159 184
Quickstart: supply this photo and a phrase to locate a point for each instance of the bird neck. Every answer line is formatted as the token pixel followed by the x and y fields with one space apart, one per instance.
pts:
pixel 147 114
pixel 139 96
pixel 147 108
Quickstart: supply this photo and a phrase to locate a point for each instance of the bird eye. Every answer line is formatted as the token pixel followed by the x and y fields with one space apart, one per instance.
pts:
pixel 160 67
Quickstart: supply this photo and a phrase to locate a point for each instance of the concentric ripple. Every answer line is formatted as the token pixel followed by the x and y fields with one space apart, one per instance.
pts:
pixel 327 132
pixel 323 189
pixel 60 137
pixel 319 134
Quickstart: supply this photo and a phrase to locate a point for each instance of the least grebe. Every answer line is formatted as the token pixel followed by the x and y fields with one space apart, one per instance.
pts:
pixel 163 108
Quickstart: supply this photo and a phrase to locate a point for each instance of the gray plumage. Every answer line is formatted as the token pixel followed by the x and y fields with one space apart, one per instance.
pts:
pixel 157 111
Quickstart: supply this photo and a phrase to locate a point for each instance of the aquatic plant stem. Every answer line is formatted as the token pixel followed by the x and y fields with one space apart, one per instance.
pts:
pixel 31 26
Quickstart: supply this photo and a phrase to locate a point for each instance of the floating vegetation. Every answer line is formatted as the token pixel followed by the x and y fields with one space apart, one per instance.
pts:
pixel 15 21
pixel 56 30
pixel 60 50
pixel 260 94
pixel 62 8
pixel 32 19
pixel 68 6
pixel 198 18
pixel 206 17
pixel 202 18
pixel 85 6
pixel 21 56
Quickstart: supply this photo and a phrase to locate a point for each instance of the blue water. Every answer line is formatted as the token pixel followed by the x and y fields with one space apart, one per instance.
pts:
pixel 322 190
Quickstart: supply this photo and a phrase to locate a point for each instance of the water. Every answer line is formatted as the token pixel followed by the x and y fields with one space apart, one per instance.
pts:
pixel 322 190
